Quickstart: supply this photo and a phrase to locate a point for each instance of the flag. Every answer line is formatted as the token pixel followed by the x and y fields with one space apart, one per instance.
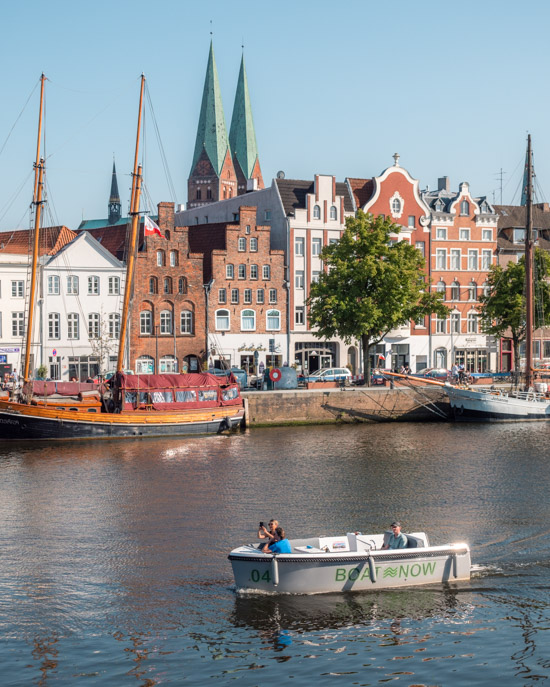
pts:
pixel 151 228
pixel 381 357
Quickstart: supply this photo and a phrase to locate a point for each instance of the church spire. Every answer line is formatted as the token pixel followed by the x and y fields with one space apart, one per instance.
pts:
pixel 114 199
pixel 242 137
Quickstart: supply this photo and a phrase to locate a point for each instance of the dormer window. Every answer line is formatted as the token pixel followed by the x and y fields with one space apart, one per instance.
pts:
pixel 316 212
pixel 439 206
pixel 465 208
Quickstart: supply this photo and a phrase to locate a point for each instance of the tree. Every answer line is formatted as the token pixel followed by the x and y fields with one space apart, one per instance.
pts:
pixel 502 311
pixel 371 286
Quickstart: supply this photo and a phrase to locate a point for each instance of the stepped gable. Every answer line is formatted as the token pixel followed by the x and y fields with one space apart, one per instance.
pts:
pixel 293 194
pixel 52 239
pixel 362 190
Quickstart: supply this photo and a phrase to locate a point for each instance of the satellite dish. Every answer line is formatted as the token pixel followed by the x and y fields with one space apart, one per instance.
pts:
pixel 280 174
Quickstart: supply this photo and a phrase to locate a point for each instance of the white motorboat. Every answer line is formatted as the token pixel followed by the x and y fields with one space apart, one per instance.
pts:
pixel 495 405
pixel 352 562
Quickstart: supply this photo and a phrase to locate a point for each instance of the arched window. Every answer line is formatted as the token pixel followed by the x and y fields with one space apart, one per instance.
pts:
pixel 455 291
pixel 248 320
pixel 222 320
pixel 114 325
pixel 198 194
pixel 174 258
pixel 186 322
pixel 72 286
pixel 145 365
pixel 229 271
pixel 439 206
pixel 168 364
pixel 153 285
pixel 166 322
pixel 333 213
pixel 242 244
pixel 441 287
pixel 73 328
pixel 182 285
pixel 472 322
pixel 273 322
pixel 145 322
pixel 316 212
pixel 465 208
pixel 266 272
pixel 167 284
pixel 472 291
pixel 253 271
pixel 396 206
pixel 253 245
pixel 93 286
pixel 242 271
pixel 160 258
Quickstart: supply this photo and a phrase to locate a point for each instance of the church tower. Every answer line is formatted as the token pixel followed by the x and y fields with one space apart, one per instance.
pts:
pixel 114 200
pixel 212 175
pixel 242 139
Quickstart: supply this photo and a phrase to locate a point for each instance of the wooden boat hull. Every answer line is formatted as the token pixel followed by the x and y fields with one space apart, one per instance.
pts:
pixel 468 405
pixel 19 422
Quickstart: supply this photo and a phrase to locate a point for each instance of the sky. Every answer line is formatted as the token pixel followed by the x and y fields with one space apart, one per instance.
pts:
pixel 336 88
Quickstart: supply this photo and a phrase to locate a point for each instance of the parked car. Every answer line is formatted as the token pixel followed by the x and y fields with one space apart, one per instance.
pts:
pixel 330 374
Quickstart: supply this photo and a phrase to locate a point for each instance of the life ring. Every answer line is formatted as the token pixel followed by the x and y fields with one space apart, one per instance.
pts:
pixel 275 374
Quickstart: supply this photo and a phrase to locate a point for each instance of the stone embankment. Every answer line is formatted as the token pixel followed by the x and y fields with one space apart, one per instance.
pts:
pixel 375 404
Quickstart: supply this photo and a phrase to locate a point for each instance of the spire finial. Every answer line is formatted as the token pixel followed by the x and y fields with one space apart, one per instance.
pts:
pixel 396 159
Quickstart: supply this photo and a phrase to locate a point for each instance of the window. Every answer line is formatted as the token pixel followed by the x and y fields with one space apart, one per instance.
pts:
pixel 420 323
pixel 253 245
pixel 299 279
pixel 93 286
pixel 315 275
pixel 299 246
pixel 168 364
pixel 17 289
pixel 229 272
pixel 441 259
pixel 242 271
pixel 205 219
pixel 208 194
pixel 145 365
pixel 472 259
pixel 333 212
pixel 464 234
pixel 455 291
pixel 299 315
pixel 396 206
pixel 486 288
pixel 455 322
pixel 53 287
pixel 472 323
pixel 248 320
pixel 222 320
pixel 145 322
pixel 53 325
pixel 316 212
pixel 236 219
pixel 167 284
pixel 17 323
pixel 464 208
pixel 72 286
pixel 186 322
pixel 267 215
pixel 260 296
pixel 440 325
pixel 486 259
pixel 247 296
pixel 519 235
pixel 486 234
pixel 198 194
pixel 273 320
pixel 316 246
pixel 272 295
pixel 114 286
pixel 441 287
pixel 160 258
pixel 441 234
pixel 242 244
pixel 472 291
pixel 332 242
pixel 234 296
pixel 173 258
pixel 253 271
pixel 411 222
pixel 114 325
pixel 182 285
pixel 153 285
pixel 266 272
pixel 93 325
pixel 421 247
pixel 73 326
pixel 439 206
pixel 222 296
pixel 166 322
pixel 455 258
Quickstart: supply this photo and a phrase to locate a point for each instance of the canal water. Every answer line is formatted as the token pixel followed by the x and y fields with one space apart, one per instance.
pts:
pixel 114 570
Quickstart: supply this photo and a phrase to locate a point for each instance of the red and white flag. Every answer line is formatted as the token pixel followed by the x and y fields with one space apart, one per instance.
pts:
pixel 151 228
pixel 381 357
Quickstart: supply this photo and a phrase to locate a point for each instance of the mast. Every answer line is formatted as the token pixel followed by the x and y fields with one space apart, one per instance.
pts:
pixel 37 202
pixel 529 299
pixel 130 263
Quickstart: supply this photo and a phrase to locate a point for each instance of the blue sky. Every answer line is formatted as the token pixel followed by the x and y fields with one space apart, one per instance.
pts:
pixel 336 88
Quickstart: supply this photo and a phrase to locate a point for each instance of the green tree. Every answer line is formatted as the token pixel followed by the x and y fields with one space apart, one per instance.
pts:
pixel 371 286
pixel 502 310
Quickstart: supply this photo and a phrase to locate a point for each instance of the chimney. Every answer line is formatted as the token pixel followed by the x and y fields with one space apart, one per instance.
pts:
pixel 443 184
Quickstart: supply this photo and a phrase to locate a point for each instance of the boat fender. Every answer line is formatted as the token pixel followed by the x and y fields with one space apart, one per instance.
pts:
pixel 372 570
pixel 455 566
pixel 275 571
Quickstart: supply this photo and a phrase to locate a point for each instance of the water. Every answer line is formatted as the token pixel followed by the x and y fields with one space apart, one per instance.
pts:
pixel 114 570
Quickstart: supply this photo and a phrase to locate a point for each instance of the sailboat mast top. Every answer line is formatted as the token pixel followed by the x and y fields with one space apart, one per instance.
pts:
pixel 529 296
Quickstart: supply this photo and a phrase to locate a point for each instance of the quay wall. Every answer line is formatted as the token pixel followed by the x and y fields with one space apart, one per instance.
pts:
pixel 375 404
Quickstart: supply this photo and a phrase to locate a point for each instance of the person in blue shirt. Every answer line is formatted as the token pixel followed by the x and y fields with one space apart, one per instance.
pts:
pixel 282 545
pixel 397 539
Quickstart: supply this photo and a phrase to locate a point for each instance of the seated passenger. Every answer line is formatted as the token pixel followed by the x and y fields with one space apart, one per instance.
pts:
pixel 280 546
pixel 397 539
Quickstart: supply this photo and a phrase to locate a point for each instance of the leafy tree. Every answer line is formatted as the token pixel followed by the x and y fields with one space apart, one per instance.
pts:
pixel 502 311
pixel 371 286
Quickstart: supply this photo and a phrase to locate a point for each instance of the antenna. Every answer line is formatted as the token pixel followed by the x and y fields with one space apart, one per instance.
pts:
pixel 211 32
pixel 500 176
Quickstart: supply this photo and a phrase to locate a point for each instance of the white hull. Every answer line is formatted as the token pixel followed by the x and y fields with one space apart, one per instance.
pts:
pixel 497 406
pixel 318 571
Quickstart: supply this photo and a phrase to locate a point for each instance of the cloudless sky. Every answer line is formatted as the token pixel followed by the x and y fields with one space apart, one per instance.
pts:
pixel 336 88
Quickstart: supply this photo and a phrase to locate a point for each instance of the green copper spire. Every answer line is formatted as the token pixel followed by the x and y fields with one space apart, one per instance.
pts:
pixel 242 137
pixel 212 132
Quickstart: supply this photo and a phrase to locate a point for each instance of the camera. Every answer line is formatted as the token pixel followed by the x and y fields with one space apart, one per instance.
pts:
pixel 261 524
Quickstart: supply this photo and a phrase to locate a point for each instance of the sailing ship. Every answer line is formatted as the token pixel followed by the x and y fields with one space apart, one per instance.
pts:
pixel 492 405
pixel 126 405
